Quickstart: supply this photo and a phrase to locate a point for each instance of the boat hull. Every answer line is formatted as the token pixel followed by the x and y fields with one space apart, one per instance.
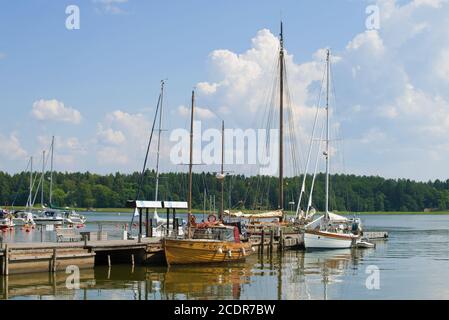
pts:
pixel 193 251
pixel 327 240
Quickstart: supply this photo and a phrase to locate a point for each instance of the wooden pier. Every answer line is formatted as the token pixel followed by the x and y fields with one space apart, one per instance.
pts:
pixel 17 258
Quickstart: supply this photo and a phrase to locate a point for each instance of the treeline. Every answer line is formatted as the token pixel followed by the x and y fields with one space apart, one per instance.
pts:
pixel 348 192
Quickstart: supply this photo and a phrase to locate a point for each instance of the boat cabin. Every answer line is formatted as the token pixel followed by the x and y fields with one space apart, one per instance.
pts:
pixel 219 233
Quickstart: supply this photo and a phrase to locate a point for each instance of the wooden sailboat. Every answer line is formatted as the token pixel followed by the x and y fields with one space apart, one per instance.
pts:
pixel 330 231
pixel 210 242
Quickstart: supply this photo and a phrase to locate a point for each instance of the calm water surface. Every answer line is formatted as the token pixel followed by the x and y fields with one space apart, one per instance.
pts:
pixel 413 264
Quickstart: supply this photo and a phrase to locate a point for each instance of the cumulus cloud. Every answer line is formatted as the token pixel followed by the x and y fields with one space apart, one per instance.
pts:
pixel 390 82
pixel 56 111
pixel 11 148
pixel 200 113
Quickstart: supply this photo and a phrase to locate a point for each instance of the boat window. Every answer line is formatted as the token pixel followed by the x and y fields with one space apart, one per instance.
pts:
pixel 222 234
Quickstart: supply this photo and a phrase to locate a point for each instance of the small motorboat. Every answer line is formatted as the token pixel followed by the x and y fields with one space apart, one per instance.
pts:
pixel 364 243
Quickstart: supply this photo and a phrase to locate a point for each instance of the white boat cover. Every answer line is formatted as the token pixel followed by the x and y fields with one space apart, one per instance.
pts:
pixel 270 214
pixel 335 218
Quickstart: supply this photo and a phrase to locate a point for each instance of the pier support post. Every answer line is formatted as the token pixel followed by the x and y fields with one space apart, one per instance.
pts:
pixel 6 268
pixel 281 240
pixel 147 227
pixel 168 222
pixel 53 264
pixel 109 260
pixel 132 259
pixel 174 222
pixel 140 225
pixel 262 241
pixel 271 240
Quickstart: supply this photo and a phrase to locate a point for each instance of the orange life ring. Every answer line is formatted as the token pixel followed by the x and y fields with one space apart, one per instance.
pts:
pixel 211 218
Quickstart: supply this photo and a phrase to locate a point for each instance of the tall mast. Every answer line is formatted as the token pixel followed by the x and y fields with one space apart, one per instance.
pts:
pixel 222 172
pixel 281 122
pixel 191 164
pixel 327 133
pixel 30 200
pixel 51 170
pixel 43 178
pixel 159 143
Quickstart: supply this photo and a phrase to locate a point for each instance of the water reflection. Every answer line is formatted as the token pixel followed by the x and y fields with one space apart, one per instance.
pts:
pixel 291 275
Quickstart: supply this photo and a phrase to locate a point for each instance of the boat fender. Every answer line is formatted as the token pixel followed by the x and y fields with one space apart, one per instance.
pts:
pixel 230 253
pixel 220 250
pixel 253 249
pixel 243 251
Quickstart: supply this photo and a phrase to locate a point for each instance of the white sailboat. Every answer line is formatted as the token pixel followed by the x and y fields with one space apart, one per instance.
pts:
pixel 330 231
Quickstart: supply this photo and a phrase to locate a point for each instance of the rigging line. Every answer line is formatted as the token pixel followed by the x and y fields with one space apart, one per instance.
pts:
pixel 303 186
pixel 142 176
pixel 41 179
pixel 319 148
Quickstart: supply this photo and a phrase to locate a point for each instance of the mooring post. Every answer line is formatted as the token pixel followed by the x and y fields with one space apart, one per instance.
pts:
pixel 281 239
pixel 151 227
pixel 140 225
pixel 6 271
pixel 147 228
pixel 168 222
pixel 53 265
pixel 174 221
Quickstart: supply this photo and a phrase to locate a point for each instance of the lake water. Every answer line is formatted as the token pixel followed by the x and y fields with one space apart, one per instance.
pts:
pixel 412 264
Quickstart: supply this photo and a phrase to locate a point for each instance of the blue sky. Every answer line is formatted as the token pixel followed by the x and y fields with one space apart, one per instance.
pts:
pixel 390 83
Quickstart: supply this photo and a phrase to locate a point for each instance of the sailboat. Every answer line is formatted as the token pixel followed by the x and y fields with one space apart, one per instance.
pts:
pixel 25 217
pixel 331 231
pixel 53 214
pixel 208 242
pixel 259 220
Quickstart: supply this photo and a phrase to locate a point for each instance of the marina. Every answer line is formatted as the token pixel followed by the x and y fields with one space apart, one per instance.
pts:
pixel 290 274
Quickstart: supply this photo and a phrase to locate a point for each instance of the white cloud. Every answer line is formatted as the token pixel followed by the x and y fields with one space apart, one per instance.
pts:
pixel 110 136
pixel 56 111
pixel 207 88
pixel 111 6
pixel 200 113
pixel 391 86
pixel 10 147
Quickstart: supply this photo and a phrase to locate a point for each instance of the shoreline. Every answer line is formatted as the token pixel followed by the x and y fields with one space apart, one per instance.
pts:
pixel 289 213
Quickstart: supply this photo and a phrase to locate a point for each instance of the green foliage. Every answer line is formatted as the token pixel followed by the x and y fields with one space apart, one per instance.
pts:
pixel 348 192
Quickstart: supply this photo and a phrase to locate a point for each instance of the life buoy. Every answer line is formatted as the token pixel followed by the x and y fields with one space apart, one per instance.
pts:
pixel 211 218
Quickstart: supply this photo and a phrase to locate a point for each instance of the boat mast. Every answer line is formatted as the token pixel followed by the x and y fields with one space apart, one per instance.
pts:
pixel 51 170
pixel 222 172
pixel 43 178
pixel 30 197
pixel 158 144
pixel 281 122
pixel 327 133
pixel 191 165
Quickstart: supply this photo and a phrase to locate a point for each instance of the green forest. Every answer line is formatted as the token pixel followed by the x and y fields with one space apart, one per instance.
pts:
pixel 348 192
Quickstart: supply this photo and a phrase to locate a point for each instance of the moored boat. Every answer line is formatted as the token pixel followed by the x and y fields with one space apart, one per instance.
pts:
pixel 6 221
pixel 213 244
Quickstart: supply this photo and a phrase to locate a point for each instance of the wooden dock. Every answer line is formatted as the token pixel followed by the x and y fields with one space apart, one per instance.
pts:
pixel 17 258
